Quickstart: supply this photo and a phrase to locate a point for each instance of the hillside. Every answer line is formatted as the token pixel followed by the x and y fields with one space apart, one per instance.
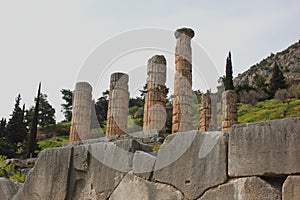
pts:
pixel 288 60
pixel 268 110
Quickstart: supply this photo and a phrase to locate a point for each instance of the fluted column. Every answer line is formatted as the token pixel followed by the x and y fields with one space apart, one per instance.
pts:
pixel 118 105
pixel 229 110
pixel 205 112
pixel 155 99
pixel 81 114
pixel 182 103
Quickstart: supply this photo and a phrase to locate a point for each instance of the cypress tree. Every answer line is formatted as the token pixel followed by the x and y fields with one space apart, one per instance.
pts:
pixel 277 80
pixel 32 145
pixel 228 82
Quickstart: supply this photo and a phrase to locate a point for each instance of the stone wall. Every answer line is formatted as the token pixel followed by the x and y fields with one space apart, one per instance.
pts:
pixel 251 161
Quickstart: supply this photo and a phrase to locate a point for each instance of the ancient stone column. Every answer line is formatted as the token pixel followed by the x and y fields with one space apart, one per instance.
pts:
pixel 155 99
pixel 81 114
pixel 229 110
pixel 182 102
pixel 205 112
pixel 118 105
pixel 213 126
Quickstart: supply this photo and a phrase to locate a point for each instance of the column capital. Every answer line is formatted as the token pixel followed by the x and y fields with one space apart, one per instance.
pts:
pixel 184 31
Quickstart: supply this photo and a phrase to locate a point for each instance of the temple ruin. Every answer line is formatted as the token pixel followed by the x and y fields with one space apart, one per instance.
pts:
pixel 118 105
pixel 205 112
pixel 81 115
pixel 155 99
pixel 229 110
pixel 182 103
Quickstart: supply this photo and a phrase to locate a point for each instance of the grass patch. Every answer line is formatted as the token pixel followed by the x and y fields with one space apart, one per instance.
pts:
pixel 53 142
pixel 268 110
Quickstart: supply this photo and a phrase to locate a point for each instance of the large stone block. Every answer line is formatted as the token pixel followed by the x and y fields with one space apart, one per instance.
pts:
pixel 265 149
pixel 135 188
pixel 291 188
pixel 143 164
pixel 252 188
pixel 49 177
pixel 193 162
pixel 8 188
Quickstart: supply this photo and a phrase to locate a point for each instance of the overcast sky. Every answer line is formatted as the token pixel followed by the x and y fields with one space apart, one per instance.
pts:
pixel 49 41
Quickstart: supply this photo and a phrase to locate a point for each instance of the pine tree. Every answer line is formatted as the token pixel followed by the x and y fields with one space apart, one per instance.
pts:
pixel 228 82
pixel 32 145
pixel 2 127
pixel 16 127
pixel 67 96
pixel 46 112
pixel 277 80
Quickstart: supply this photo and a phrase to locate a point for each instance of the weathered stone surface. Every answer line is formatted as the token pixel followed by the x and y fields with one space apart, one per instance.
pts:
pixel 182 115
pixel 117 105
pixel 192 162
pixel 135 188
pixel 81 114
pixel 49 177
pixel 143 164
pixel 150 136
pixel 8 188
pixel 251 188
pixel 229 110
pixel 205 112
pixel 265 149
pixel 291 188
pixel 155 99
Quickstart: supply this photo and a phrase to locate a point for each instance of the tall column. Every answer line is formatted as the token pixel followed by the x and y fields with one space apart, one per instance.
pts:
pixel 81 114
pixel 229 110
pixel 205 112
pixel 213 125
pixel 155 99
pixel 118 105
pixel 182 103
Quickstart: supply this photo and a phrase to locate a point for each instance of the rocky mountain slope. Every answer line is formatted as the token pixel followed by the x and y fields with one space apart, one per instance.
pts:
pixel 288 60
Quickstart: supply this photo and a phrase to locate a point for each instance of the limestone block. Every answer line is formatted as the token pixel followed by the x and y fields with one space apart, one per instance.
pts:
pixel 250 188
pixel 49 177
pixel 143 164
pixel 265 149
pixel 291 188
pixel 135 188
pixel 192 162
pixel 8 188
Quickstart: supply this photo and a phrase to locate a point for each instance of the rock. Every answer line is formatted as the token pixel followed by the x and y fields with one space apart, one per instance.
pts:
pixel 8 188
pixel 80 158
pixel 265 149
pixel 192 162
pixel 145 136
pixel 291 188
pixel 143 164
pixel 249 188
pixel 21 164
pixel 135 188
pixel 49 177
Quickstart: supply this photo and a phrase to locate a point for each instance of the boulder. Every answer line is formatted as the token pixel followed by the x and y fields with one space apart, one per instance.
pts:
pixel 291 188
pixel 135 188
pixel 192 162
pixel 248 188
pixel 265 149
